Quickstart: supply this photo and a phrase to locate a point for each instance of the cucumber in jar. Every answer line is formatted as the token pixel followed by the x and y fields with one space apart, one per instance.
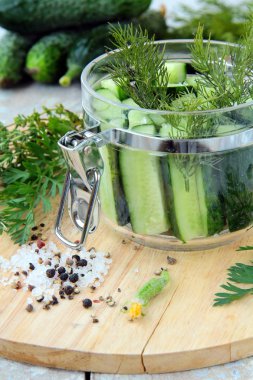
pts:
pixel 195 208
pixel 143 186
pixel 111 194
pixel 236 178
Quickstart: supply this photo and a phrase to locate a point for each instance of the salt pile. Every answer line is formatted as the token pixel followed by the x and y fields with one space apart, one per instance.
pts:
pixel 46 273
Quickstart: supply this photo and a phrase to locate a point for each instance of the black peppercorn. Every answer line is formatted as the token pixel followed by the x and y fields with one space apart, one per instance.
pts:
pixel 54 300
pixel 87 303
pixel 61 270
pixel 76 257
pixel 34 237
pixel 73 277
pixel 81 263
pixel 50 273
pixel 34 228
pixel 68 290
pixel 42 224
pixel 31 266
pixel 64 276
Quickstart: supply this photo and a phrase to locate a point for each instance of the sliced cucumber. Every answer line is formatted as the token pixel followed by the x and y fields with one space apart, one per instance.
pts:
pixel 105 110
pixel 143 186
pixel 110 85
pixel 111 194
pixel 192 80
pixel 195 208
pixel 176 71
pixel 130 102
pixel 138 118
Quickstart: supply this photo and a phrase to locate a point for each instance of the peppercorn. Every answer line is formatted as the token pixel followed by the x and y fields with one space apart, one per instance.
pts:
pixel 95 320
pixel 29 308
pixel 69 261
pixel 30 287
pixel 40 243
pixel 34 237
pixel 87 303
pixel 40 298
pixel 42 224
pixel 24 272
pixel 54 300
pixel 50 273
pixel 76 257
pixel 61 270
pixel 68 290
pixel 34 228
pixel 73 278
pixel 64 276
pixel 31 266
pixel 81 263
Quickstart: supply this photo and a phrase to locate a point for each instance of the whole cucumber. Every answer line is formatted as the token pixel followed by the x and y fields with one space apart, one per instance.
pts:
pixel 46 60
pixel 40 16
pixel 13 49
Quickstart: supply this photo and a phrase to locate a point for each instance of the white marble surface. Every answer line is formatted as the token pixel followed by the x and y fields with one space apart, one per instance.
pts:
pixel 24 99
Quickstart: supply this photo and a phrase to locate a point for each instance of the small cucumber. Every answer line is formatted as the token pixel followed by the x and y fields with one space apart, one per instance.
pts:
pixel 176 71
pixel 143 186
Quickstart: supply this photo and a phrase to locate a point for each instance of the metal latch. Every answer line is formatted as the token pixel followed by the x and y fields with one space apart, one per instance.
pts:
pixel 85 167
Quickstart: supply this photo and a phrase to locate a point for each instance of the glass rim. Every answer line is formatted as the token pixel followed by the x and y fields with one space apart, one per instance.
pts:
pixel 93 93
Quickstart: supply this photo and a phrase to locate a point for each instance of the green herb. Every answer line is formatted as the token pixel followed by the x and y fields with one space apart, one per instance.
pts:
pixel 139 66
pixel 224 21
pixel 239 273
pixel 224 72
pixel 31 167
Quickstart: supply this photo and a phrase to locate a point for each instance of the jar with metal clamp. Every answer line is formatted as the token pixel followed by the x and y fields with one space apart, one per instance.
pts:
pixel 156 186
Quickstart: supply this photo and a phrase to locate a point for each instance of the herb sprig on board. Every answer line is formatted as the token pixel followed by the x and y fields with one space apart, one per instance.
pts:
pixel 237 274
pixel 31 167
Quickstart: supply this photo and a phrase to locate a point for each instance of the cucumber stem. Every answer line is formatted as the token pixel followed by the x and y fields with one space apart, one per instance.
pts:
pixel 72 73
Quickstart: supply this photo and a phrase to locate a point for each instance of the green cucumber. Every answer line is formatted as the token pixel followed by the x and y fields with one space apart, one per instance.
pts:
pixel 236 169
pixel 143 187
pixel 176 71
pixel 43 16
pixel 45 61
pixel 111 194
pixel 193 198
pixel 13 49
pixel 104 110
pixel 110 85
pixel 138 118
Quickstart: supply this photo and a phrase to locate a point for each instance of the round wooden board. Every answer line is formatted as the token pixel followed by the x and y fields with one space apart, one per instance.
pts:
pixel 181 330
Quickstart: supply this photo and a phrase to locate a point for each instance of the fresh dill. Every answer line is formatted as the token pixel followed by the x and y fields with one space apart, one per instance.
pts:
pixel 31 167
pixel 139 67
pixel 226 71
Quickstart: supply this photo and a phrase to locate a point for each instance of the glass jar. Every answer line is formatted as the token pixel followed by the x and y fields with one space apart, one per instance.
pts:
pixel 156 186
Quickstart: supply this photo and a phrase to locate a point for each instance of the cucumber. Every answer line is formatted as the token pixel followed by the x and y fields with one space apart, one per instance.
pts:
pixel 110 85
pixel 40 16
pixel 176 71
pixel 193 198
pixel 111 195
pixel 45 61
pixel 13 49
pixel 143 187
pixel 106 111
pixel 237 187
pixel 138 118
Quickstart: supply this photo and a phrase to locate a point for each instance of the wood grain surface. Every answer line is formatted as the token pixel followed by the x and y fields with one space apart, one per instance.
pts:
pixel 180 331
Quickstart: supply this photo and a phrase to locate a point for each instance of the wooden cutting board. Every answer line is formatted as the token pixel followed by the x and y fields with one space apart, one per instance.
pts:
pixel 181 330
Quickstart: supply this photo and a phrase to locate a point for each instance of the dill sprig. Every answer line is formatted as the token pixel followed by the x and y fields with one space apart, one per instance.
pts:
pixel 139 67
pixel 226 71
pixel 31 167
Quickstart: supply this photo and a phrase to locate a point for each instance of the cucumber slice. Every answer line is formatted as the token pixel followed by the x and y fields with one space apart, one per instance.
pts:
pixel 192 80
pixel 104 110
pixel 110 85
pixel 195 208
pixel 111 194
pixel 130 102
pixel 136 118
pixel 143 186
pixel 176 71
